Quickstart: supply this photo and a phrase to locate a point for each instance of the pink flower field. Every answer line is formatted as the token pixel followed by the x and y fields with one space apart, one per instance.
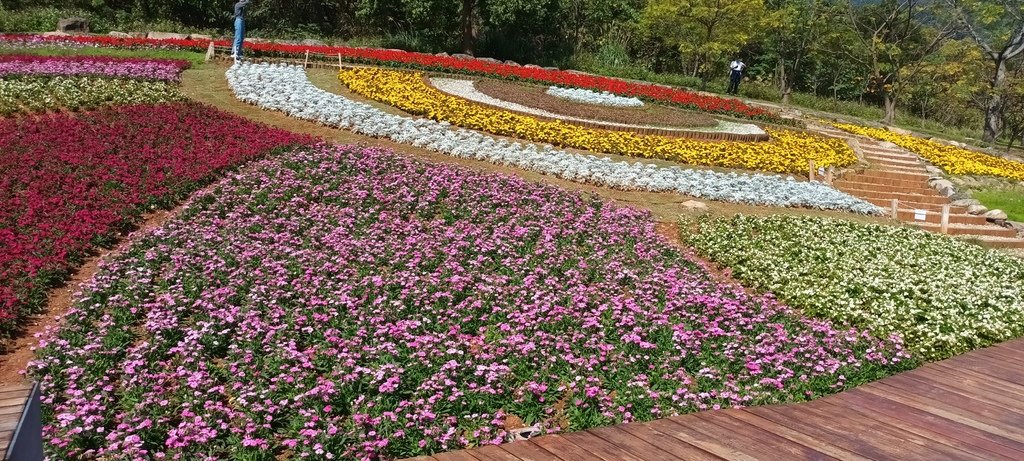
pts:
pixel 350 303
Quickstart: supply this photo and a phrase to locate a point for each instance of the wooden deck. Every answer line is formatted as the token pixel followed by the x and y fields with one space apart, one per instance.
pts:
pixel 970 407
pixel 12 404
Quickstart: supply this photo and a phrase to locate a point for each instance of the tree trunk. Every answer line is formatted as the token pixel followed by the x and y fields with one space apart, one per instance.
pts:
pixel 468 40
pixel 994 107
pixel 890 109
pixel 787 92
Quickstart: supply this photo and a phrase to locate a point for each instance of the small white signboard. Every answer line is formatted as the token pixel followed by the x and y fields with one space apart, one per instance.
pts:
pixel 920 215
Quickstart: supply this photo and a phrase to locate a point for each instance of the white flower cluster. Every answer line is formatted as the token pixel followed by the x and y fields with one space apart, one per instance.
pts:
pixel 287 89
pixel 603 98
pixel 944 296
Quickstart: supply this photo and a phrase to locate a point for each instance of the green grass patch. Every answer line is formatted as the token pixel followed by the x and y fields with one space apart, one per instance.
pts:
pixel 197 59
pixel 1009 200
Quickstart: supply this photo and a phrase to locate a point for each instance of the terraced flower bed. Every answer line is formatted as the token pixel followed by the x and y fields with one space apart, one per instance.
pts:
pixel 28 95
pixel 790 151
pixel 68 182
pixel 944 296
pixel 287 89
pixel 347 303
pixel 98 66
pixel 676 96
pixel 953 160
pixel 537 97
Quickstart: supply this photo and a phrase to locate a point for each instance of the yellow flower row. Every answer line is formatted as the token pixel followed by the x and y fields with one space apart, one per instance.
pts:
pixel 953 160
pixel 788 151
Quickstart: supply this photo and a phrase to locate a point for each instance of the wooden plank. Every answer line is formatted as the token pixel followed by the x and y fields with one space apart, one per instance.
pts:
pixel 600 447
pixel 933 440
pixel 1008 370
pixel 492 453
pixel 999 354
pixel 1016 388
pixel 755 442
pixel 565 449
pixel 8 394
pixel 943 410
pixel 796 436
pixel 672 445
pixel 967 385
pixel 526 450
pixel 915 417
pixel 14 401
pixel 931 393
pixel 421 458
pixel 843 431
pixel 637 445
pixel 713 445
pixel 461 455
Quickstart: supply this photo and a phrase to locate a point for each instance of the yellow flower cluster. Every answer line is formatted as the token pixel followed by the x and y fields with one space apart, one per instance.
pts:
pixel 788 151
pixel 953 160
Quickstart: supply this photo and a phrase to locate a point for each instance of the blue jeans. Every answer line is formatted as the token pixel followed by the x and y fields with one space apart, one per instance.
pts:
pixel 239 36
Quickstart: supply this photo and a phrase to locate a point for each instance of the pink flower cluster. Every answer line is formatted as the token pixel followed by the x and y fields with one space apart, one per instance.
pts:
pixel 349 303
pixel 70 181
pixel 100 66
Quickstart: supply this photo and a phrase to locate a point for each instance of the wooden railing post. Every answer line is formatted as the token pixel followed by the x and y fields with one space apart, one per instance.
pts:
pixel 895 208
pixel 828 176
pixel 305 63
pixel 810 175
pixel 210 52
pixel 945 219
pixel 339 61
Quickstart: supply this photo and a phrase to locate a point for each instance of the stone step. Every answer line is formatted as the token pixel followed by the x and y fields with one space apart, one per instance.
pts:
pixel 909 215
pixel 903 198
pixel 863 179
pixel 996 242
pixel 886 162
pixel 968 229
pixel 901 175
pixel 911 205
pixel 916 188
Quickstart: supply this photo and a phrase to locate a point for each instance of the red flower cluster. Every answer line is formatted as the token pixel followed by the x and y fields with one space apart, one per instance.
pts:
pixel 686 99
pixel 69 181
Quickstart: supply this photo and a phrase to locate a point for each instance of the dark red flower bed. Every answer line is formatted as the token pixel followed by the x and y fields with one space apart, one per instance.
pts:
pixel 69 182
pixel 676 96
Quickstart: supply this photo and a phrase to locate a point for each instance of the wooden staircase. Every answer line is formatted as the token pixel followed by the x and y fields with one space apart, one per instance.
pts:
pixel 894 173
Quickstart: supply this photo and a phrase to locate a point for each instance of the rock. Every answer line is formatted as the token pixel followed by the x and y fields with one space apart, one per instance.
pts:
pixel 550 68
pixel 511 63
pixel 54 34
pixel 976 209
pixel 442 54
pixel 524 433
pixel 996 215
pixel 137 34
pixel 462 56
pixel 898 130
pixel 940 184
pixel 73 26
pixel 165 36
pixel 889 145
pixel 490 60
pixel 532 66
pixel 966 202
pixel 957 144
pixel 311 42
pixel 933 170
pixel 694 205
pixel 199 37
pixel 117 34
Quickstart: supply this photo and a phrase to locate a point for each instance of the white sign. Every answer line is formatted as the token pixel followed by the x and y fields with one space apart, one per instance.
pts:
pixel 920 215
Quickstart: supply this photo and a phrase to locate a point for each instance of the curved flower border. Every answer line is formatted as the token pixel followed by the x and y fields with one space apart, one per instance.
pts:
pixel 287 89
pixel 585 96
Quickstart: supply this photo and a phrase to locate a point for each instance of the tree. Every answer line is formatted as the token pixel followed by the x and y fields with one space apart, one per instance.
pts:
pixel 896 41
pixel 704 30
pixel 796 27
pixel 998 28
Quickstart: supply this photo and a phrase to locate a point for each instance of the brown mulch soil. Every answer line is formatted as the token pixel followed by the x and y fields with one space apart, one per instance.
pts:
pixel 648 114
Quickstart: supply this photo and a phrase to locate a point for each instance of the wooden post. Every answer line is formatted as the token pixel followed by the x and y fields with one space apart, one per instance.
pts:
pixel 828 176
pixel 305 64
pixel 895 208
pixel 339 61
pixel 811 175
pixel 210 53
pixel 945 219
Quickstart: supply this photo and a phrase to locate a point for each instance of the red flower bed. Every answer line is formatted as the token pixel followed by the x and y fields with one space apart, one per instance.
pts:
pixel 683 98
pixel 70 181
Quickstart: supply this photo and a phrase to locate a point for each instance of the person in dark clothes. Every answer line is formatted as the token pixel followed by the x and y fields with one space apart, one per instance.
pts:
pixel 236 50
pixel 735 75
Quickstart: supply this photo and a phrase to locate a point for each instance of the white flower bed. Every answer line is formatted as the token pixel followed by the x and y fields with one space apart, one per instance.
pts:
pixel 465 89
pixel 287 89
pixel 603 98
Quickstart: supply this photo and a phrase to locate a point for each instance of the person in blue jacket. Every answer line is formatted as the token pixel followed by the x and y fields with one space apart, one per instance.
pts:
pixel 236 50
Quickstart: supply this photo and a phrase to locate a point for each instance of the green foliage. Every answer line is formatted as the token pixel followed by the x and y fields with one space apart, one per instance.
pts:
pixel 888 279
